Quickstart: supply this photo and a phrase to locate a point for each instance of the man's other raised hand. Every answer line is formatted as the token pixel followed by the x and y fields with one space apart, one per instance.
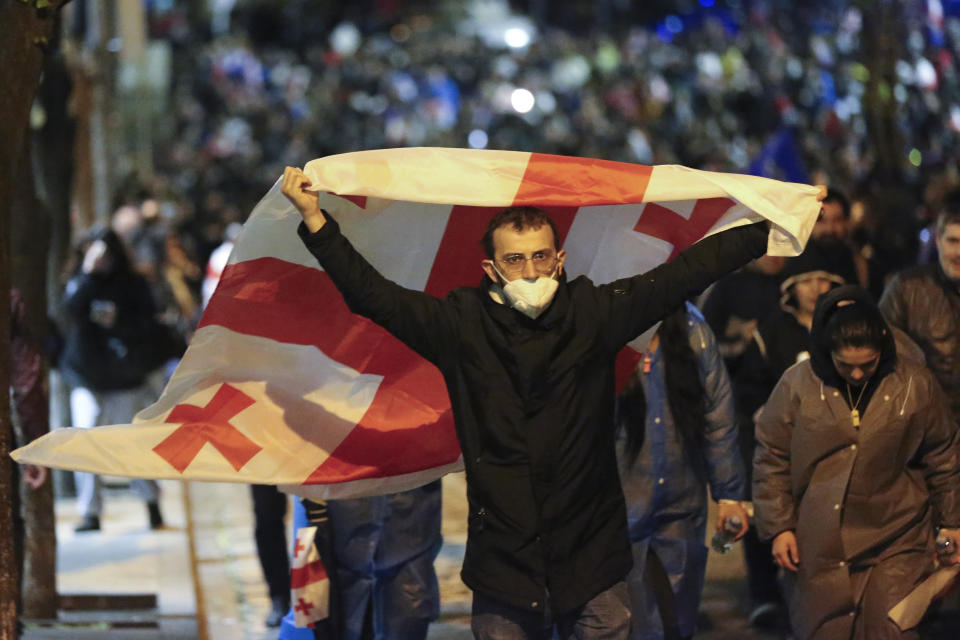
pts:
pixel 294 187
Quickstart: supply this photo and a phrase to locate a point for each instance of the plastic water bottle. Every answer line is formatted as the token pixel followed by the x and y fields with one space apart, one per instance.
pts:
pixel 945 547
pixel 722 541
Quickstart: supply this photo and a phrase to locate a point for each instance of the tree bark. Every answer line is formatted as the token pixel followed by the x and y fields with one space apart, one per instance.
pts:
pixel 30 241
pixel 882 44
pixel 25 29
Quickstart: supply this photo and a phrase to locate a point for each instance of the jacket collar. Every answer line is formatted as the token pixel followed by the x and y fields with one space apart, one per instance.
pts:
pixel 952 286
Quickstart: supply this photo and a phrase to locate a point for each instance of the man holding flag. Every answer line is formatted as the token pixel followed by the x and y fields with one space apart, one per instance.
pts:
pixel 515 380
pixel 528 359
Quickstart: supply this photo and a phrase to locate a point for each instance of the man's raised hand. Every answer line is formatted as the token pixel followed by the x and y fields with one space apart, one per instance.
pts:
pixel 294 187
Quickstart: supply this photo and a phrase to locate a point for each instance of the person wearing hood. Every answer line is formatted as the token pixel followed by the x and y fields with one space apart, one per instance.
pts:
pixel 857 464
pixel 528 359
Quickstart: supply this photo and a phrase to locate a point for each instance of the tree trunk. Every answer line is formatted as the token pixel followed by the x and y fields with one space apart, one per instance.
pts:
pixel 24 32
pixel 882 44
pixel 29 235
pixel 97 121
pixel 41 228
pixel 881 47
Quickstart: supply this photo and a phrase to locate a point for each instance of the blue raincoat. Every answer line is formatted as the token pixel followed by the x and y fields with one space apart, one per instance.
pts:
pixel 384 548
pixel 666 501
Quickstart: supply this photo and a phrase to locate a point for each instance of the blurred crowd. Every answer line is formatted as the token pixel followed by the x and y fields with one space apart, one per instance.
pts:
pixel 744 87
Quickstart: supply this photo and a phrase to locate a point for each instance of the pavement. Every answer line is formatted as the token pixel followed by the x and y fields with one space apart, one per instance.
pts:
pixel 199 576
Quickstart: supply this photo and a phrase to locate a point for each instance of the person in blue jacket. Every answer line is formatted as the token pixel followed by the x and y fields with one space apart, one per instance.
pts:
pixel 676 435
pixel 384 548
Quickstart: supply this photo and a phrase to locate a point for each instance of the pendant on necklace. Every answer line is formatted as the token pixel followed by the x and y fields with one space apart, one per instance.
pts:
pixel 646 363
pixel 855 415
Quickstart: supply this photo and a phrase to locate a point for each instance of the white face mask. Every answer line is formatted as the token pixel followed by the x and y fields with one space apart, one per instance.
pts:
pixel 529 297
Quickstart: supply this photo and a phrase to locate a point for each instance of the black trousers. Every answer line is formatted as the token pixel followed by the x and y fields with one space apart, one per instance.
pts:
pixel 758 556
pixel 269 510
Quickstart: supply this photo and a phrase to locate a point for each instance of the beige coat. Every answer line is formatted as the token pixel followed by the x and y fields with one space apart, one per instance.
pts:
pixel 863 502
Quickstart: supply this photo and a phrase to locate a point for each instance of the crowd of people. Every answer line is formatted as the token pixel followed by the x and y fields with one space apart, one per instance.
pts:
pixel 761 87
pixel 747 86
pixel 742 87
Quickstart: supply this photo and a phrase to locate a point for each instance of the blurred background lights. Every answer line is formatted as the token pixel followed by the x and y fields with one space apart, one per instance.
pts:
pixel 516 37
pixel 345 39
pixel 915 157
pixel 955 117
pixel 570 73
pixel 674 24
pixel 522 100
pixel 477 139
pixel 926 74
pixel 546 102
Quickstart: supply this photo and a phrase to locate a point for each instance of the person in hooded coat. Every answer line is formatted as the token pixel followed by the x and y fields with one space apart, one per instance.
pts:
pixel 857 462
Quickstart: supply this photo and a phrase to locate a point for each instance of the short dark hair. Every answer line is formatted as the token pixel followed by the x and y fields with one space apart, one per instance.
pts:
pixel 519 218
pixel 855 325
pixel 835 195
pixel 949 211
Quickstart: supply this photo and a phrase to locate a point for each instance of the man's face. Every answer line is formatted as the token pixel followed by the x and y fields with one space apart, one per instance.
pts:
pixel 831 225
pixel 855 364
pixel 948 244
pixel 529 254
pixel 807 291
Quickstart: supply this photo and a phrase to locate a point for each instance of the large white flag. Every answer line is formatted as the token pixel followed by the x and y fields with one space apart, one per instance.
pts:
pixel 281 384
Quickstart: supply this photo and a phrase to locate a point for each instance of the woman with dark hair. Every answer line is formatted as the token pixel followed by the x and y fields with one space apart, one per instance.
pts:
pixel 677 435
pixel 857 464
pixel 107 355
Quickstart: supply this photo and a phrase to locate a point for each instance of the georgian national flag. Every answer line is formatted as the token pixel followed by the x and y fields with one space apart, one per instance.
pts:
pixel 281 384
pixel 309 582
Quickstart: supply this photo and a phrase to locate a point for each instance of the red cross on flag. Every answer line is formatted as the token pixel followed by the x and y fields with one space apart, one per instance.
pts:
pixel 309 584
pixel 282 385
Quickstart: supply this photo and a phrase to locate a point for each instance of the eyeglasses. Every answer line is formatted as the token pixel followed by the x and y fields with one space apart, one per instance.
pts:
pixel 543 262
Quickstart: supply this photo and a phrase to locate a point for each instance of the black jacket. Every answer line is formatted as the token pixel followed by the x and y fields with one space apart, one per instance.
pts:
pixel 779 343
pixel 110 333
pixel 533 405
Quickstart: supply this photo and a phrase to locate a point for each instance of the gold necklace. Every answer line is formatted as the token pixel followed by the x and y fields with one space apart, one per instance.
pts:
pixel 854 414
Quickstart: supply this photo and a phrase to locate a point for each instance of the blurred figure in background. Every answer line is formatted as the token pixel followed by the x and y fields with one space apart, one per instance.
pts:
pixel 924 301
pixel 781 340
pixel 676 436
pixel 111 344
pixel 735 305
pixel 270 534
pixel 832 232
pixel 218 262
